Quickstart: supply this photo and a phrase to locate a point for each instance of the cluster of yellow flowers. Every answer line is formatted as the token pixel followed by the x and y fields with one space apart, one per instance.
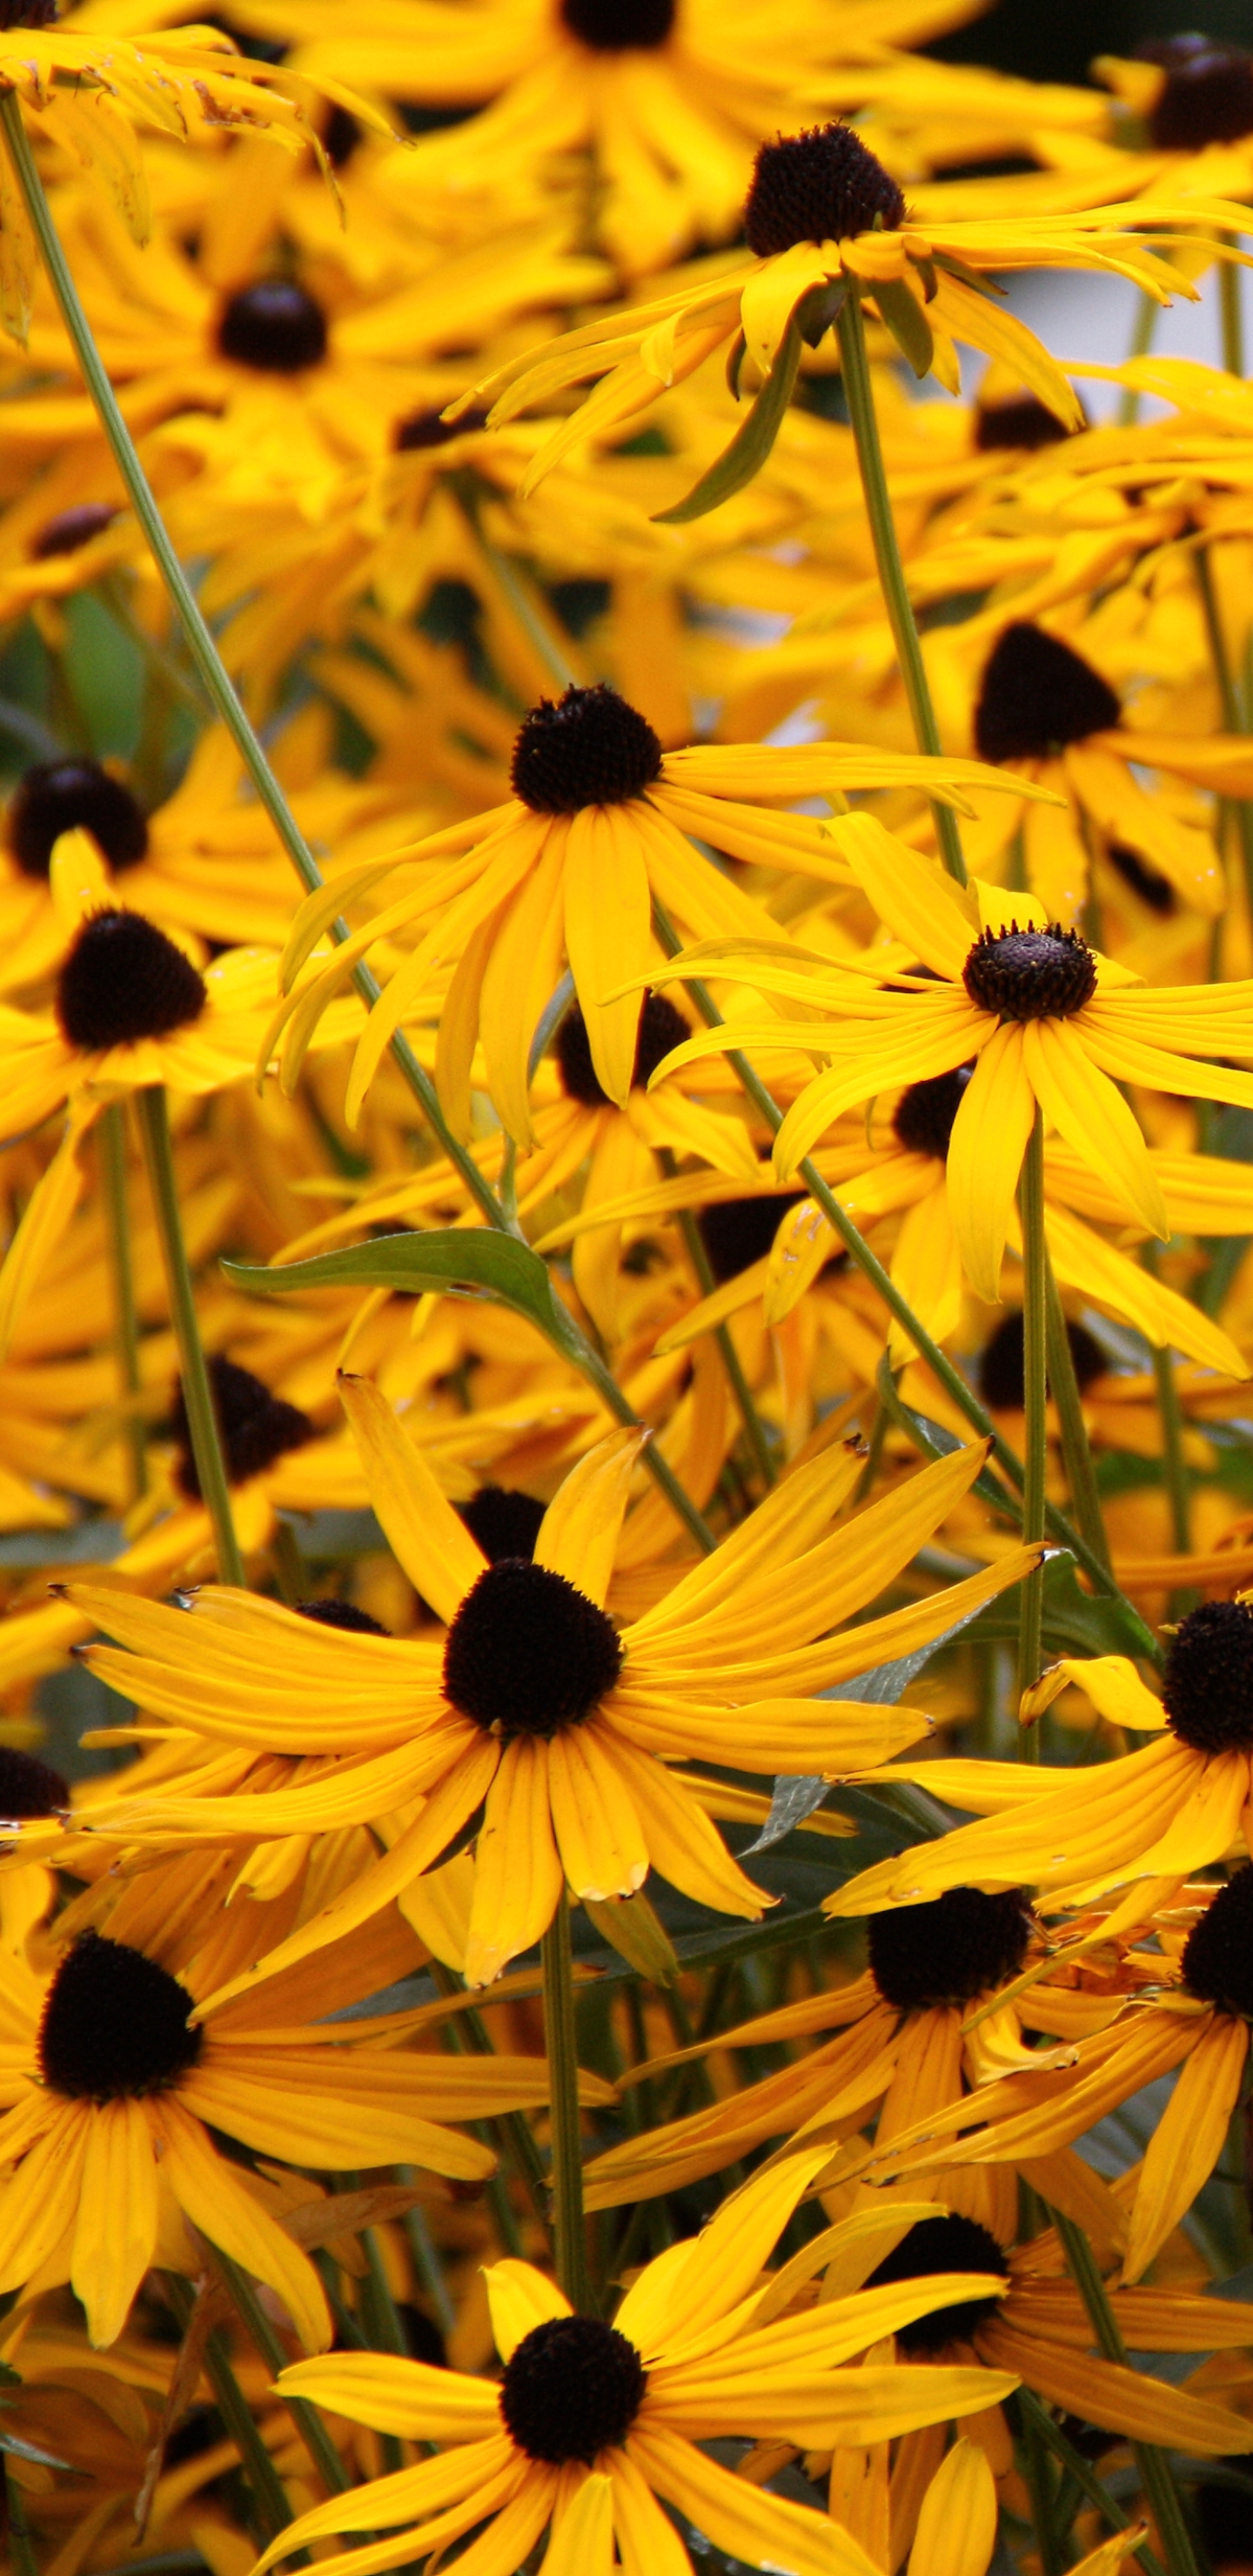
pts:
pixel 626 1299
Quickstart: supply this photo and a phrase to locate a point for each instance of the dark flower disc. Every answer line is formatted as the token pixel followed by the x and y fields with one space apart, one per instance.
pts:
pixel 342 1614
pixel 572 2388
pixel 1218 1952
pixel 73 528
pixel 619 26
pixel 1208 1689
pixel 67 795
pixel 29 1787
pixel 527 1652
pixel 428 428
pixel 661 1029
pixel 923 1117
pixel 1030 974
pixel 952 2244
pixel 1152 887
pixel 274 325
pixel 958 1946
pixel 1001 1365
pixel 738 1232
pixel 1025 423
pixel 115 2023
pixel 124 980
pixel 502 1521
pixel 588 748
pixel 340 136
pixel 823 185
pixel 26 13
pixel 255 1427
pixel 1036 695
pixel 1207 95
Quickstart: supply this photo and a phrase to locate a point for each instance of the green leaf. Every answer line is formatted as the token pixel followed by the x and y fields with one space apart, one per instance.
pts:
pixel 752 442
pixel 906 321
pixel 461 1259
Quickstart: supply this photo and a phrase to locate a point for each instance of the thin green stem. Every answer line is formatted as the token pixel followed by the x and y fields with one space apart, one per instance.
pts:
pixel 859 394
pixel 1085 1500
pixel 1143 330
pixel 1229 276
pixel 1040 2488
pixel 1178 1494
pixel 111 1136
pixel 1035 1404
pixel 308 2422
pixel 1083 2474
pixel 22 2558
pixel 154 1129
pixel 426 2262
pixel 1156 2474
pixel 727 1352
pixel 1229 700
pixel 560 2047
pixel 271 2510
pixel 509 2127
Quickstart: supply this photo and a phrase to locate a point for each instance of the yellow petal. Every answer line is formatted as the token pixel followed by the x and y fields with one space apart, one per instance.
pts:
pixel 519 1882
pixel 957 2525
pixel 989 1138
pixel 431 1541
pixel 1188 2140
pixel 209 2194
pixel 1087 1109
pixel 772 294
pixel 520 2298
pixel 582 2534
pixel 912 896
pixel 116 2228
pixel 608 915
pixel 579 1532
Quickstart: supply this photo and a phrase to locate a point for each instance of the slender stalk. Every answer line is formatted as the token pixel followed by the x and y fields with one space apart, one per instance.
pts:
pixel 111 1135
pixel 1040 2488
pixel 727 1352
pixel 426 2262
pixel 22 2558
pixel 1085 1500
pixel 1035 1405
pixel 1229 700
pixel 1143 330
pixel 509 2128
pixel 271 2510
pixel 1083 2474
pixel 308 2422
pixel 859 394
pixel 1176 1472
pixel 154 1128
pixel 560 2047
pixel 1229 276
pixel 1156 2474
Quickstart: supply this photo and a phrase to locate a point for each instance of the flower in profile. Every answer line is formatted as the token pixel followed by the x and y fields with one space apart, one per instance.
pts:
pixel 824 219
pixel 536 1716
pixel 597 830
pixel 699 2349
pixel 1047 1022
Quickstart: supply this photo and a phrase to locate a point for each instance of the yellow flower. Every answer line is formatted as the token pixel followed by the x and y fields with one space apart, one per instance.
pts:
pixel 1049 1024
pixel 534 1707
pixel 698 2349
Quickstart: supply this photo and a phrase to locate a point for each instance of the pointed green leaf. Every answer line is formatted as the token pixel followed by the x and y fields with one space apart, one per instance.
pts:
pixel 460 1259
pixel 752 442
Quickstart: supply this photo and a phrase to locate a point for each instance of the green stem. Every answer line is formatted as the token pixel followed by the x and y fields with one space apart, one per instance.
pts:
pixel 1043 2499
pixel 560 2047
pixel 510 2128
pixel 426 2262
pixel 111 1133
pixel 1176 1476
pixel 1229 700
pixel 22 2558
pixel 854 1241
pixel 308 2422
pixel 859 394
pixel 154 1128
pixel 1229 275
pixel 1083 2474
pixel 727 1352
pixel 1156 2474
pixel 1035 1405
pixel 1085 1500
pixel 1143 330
pixel 271 2509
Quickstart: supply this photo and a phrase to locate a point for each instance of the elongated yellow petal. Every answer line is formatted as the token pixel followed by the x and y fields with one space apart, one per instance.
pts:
pixel 116 2227
pixel 739 2518
pixel 582 2533
pixel 1121 2401
pixel 411 2398
pixel 206 2188
pixel 608 914
pixel 956 2531
pixel 520 2298
pixel 519 1882
pixel 433 1545
pixel 986 1148
pixel 1188 2140
pixel 918 903
pixel 1088 1110
pixel 579 1531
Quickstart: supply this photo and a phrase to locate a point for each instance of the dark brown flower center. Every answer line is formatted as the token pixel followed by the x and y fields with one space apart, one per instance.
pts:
pixel 823 185
pixel 274 325
pixel 67 795
pixel 1037 695
pixel 923 1118
pixel 1152 887
pixel 1001 1365
pixel 255 1427
pixel 588 748
pixel 528 1653
pixel 428 428
pixel 502 1521
pixel 1024 423
pixel 958 1946
pixel 661 1029
pixel 73 528
pixel 1218 1952
pixel 29 1787
pixel 124 980
pixel 1030 974
pixel 342 1614
pixel 114 2024
pixel 571 2389
pixel 619 26
pixel 1207 95
pixel 951 2244
pixel 1208 1689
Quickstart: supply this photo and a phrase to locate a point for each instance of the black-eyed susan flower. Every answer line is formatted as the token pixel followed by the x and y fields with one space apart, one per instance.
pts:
pixel 1046 1022
pixel 824 218
pixel 597 828
pixel 535 1708
pixel 699 2348
pixel 113 2085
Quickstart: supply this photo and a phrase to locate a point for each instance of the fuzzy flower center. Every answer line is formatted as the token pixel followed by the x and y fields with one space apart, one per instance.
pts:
pixel 1001 1366
pixel 115 2024
pixel 1218 1953
pixel 573 2388
pixel 738 1232
pixel 619 26
pixel 1207 96
pixel 952 2244
pixel 1030 974
pixel 124 980
pixel 1036 694
pixel 923 1118
pixel 823 185
pixel 255 1426
pixel 73 528
pixel 274 325
pixel 528 1653
pixel 26 13
pixel 960 1945
pixel 342 1614
pixel 29 1787
pixel 588 748
pixel 502 1521
pixel 1152 887
pixel 1208 1691
pixel 77 794
pixel 661 1029
pixel 1025 423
